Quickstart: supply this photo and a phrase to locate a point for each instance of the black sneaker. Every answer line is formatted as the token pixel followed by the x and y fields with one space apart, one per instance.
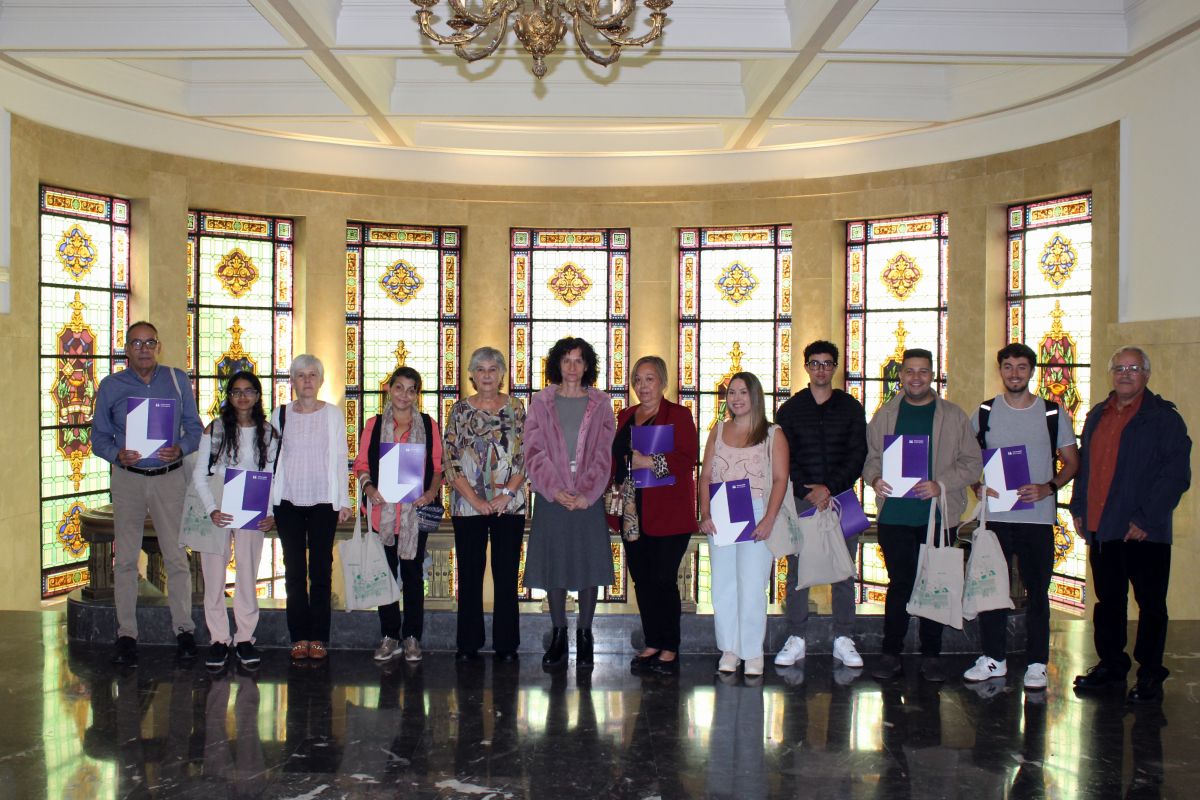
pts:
pixel 932 669
pixel 889 667
pixel 218 653
pixel 246 654
pixel 186 649
pixel 125 653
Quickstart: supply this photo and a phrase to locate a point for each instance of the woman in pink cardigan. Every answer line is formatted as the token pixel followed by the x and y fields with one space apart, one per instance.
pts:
pixel 568 455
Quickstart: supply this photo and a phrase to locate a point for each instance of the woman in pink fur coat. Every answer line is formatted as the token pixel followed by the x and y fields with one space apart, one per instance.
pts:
pixel 568 455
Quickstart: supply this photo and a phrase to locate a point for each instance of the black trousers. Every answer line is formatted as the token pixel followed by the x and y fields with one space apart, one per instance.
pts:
pixel 901 544
pixel 1033 547
pixel 1115 566
pixel 306 534
pixel 470 547
pixel 654 568
pixel 411 573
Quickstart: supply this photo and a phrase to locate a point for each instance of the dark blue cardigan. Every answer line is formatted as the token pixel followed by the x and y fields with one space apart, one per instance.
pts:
pixel 1153 471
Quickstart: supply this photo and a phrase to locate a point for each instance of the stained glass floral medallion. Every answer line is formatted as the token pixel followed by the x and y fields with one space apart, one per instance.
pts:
pixel 237 272
pixel 569 284
pixel 900 275
pixel 401 281
pixel 737 283
pixel 76 252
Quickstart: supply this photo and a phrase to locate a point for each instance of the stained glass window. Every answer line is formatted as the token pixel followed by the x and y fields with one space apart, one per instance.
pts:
pixel 83 287
pixel 895 300
pixel 735 314
pixel 239 287
pixel 1050 309
pixel 571 283
pixel 402 309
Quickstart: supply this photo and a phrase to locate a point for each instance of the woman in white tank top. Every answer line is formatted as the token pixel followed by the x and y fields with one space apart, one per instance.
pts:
pixel 741 572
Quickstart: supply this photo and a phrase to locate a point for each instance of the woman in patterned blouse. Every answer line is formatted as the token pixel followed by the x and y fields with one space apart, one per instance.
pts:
pixel 484 465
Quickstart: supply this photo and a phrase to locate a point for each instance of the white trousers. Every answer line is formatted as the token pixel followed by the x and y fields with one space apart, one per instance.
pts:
pixel 247 550
pixel 740 576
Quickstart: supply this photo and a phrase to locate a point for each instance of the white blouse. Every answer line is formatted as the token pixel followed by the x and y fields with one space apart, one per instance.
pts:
pixel 247 458
pixel 314 465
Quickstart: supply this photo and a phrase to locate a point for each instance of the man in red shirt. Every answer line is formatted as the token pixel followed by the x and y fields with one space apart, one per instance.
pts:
pixel 1134 467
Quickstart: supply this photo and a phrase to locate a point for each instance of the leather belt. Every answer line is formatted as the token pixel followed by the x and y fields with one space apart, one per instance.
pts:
pixel 150 473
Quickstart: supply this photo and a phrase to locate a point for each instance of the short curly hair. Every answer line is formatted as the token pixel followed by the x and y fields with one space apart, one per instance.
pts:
pixel 560 350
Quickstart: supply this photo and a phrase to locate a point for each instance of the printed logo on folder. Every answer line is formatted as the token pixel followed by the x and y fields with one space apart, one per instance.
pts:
pixel 149 424
pixel 401 471
pixel 731 506
pixel 852 517
pixel 1005 470
pixel 905 462
pixel 246 497
pixel 649 440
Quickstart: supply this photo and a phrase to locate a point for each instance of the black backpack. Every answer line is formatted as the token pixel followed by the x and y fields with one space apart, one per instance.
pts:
pixel 1053 411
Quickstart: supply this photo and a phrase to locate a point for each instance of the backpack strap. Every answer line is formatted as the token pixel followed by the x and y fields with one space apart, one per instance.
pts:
pixel 1053 413
pixel 279 447
pixel 985 411
pixel 427 422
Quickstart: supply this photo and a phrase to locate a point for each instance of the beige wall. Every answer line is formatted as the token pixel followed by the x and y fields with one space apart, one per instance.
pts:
pixel 163 187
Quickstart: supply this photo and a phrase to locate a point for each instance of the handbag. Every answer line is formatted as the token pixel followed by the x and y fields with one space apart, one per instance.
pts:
pixel 429 517
pixel 786 536
pixel 938 588
pixel 368 578
pixel 822 558
pixel 986 586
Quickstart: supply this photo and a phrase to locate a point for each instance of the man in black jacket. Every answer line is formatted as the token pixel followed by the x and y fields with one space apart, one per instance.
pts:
pixel 1135 465
pixel 826 431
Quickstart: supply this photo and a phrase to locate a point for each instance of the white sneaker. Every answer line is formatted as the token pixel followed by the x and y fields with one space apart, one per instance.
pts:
pixel 845 651
pixel 985 669
pixel 793 651
pixel 1035 676
pixel 387 648
pixel 728 663
pixel 754 667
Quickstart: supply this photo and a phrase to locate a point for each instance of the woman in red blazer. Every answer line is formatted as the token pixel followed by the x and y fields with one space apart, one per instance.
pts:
pixel 667 513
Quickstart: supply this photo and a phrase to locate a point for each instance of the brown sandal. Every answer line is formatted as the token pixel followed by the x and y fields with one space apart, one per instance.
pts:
pixel 299 650
pixel 317 651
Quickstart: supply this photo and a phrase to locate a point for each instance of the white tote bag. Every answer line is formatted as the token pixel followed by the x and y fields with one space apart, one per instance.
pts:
pixel 987 586
pixel 369 580
pixel 196 530
pixel 938 589
pixel 786 537
pixel 823 557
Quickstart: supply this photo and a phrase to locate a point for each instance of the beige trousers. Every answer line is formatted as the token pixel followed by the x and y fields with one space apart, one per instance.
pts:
pixel 247 550
pixel 162 495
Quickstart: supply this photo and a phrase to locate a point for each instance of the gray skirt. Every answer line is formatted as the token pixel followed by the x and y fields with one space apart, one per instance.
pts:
pixel 568 549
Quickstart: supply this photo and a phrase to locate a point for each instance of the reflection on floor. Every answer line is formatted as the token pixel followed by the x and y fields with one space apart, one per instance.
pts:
pixel 73 727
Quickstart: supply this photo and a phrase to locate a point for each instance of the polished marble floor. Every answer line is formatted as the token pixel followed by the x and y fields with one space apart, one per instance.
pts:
pixel 73 727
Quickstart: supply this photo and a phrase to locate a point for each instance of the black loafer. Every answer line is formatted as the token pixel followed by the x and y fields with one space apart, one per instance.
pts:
pixel 1147 690
pixel 1098 678
pixel 889 667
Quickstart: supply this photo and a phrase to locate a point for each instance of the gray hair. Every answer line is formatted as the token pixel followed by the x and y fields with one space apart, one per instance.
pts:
pixel 659 365
pixel 307 361
pixel 1112 361
pixel 483 354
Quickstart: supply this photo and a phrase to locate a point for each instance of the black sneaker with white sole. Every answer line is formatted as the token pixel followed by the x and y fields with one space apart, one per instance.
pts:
pixel 247 656
pixel 218 653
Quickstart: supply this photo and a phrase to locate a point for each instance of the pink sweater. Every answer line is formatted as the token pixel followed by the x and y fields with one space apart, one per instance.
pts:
pixel 546 462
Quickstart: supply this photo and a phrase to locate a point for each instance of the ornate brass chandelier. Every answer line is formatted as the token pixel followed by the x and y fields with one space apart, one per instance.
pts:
pixel 541 25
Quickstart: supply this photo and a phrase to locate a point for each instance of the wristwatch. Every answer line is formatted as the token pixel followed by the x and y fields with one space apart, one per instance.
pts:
pixel 507 492
pixel 1053 487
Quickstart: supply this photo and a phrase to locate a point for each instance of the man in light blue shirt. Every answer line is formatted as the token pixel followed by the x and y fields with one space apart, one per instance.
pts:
pixel 147 482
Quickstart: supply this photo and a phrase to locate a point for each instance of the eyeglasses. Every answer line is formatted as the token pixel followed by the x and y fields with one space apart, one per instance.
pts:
pixel 814 364
pixel 250 393
pixel 143 344
pixel 1134 369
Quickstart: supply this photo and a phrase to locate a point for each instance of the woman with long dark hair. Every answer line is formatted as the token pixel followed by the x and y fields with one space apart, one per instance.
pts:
pixel 744 446
pixel 241 438
pixel 396 523
pixel 568 456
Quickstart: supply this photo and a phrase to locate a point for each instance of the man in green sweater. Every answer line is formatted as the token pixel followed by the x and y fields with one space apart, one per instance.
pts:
pixel 954 464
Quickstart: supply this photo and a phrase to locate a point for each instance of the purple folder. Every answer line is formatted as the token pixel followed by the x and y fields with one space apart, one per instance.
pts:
pixel 648 440
pixel 149 424
pixel 731 506
pixel 1006 469
pixel 905 462
pixel 246 497
pixel 853 519
pixel 401 471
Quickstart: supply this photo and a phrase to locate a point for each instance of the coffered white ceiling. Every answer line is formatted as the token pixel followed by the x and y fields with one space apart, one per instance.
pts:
pixel 728 75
